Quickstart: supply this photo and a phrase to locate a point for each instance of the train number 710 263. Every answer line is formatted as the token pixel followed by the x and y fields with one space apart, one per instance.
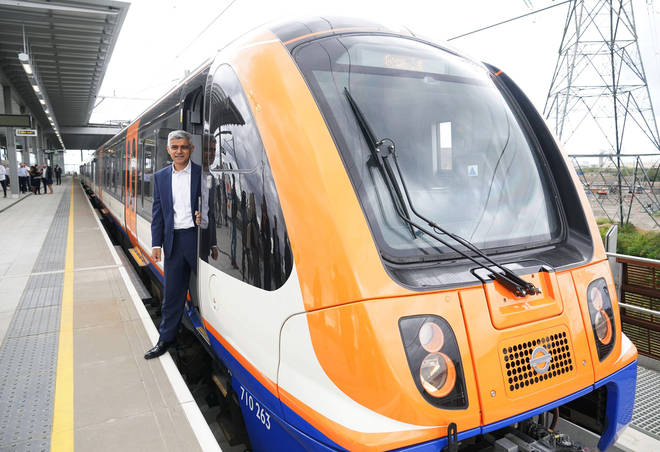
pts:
pixel 254 406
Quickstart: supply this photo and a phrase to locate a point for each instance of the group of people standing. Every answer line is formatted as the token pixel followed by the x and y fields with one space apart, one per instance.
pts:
pixel 33 177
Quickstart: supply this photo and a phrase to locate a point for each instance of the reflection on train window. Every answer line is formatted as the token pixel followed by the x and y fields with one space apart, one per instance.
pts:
pixel 164 128
pixel 241 211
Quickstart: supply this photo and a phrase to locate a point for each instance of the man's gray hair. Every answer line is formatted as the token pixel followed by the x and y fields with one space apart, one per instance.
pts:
pixel 179 134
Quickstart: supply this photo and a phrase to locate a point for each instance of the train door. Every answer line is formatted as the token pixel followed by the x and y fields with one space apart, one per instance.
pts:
pixel 99 177
pixel 131 175
pixel 191 119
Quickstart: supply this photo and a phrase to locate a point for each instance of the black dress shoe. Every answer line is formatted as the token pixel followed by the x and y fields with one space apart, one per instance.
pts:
pixel 159 349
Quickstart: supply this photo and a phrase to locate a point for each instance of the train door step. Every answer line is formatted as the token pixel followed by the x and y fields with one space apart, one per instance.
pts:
pixel 142 291
pixel 139 258
pixel 221 382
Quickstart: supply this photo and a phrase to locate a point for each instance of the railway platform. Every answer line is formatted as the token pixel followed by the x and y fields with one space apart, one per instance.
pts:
pixel 72 337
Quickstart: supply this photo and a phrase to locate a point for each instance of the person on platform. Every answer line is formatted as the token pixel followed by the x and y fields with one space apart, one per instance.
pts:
pixel 35 175
pixel 44 177
pixel 3 181
pixel 23 178
pixel 48 178
pixel 174 233
pixel 58 174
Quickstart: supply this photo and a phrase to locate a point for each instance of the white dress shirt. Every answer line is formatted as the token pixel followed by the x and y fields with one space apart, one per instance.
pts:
pixel 3 171
pixel 22 172
pixel 181 198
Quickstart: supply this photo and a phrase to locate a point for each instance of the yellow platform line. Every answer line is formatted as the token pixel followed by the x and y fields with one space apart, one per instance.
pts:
pixel 62 433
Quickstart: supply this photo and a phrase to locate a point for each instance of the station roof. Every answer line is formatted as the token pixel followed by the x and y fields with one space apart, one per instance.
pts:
pixel 70 43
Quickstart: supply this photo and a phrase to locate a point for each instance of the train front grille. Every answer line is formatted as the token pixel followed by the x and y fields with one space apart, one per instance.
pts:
pixel 537 361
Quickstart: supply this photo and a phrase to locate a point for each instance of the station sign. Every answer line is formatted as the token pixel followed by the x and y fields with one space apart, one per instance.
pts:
pixel 15 121
pixel 26 132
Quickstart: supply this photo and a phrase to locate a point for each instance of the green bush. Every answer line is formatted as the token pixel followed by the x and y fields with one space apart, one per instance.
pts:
pixel 631 241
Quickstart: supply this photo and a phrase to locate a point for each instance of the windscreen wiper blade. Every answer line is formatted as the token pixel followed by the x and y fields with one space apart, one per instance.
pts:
pixel 380 152
pixel 386 171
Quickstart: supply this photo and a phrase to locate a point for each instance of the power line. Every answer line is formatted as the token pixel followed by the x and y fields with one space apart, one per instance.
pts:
pixel 205 28
pixel 509 20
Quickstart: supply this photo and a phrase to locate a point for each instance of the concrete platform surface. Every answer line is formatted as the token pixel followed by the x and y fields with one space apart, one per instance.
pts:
pixel 72 340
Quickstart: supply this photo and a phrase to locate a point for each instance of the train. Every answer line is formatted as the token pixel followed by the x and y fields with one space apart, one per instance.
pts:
pixel 394 252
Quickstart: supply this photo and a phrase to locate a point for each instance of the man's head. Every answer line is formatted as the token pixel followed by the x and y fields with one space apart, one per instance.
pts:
pixel 179 147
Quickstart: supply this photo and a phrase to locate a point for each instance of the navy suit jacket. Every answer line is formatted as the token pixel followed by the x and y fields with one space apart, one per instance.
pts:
pixel 162 214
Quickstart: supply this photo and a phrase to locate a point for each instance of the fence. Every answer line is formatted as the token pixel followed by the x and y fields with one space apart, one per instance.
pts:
pixel 638 285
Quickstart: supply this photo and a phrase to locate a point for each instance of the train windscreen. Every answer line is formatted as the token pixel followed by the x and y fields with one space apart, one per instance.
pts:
pixel 465 158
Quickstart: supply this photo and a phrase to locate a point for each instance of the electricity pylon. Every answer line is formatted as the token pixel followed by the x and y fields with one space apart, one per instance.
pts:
pixel 599 85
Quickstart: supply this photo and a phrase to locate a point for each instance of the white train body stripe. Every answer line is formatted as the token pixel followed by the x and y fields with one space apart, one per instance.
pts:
pixel 302 376
pixel 251 319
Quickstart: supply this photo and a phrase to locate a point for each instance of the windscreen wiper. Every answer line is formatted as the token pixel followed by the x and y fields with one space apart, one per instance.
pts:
pixel 381 150
pixel 376 157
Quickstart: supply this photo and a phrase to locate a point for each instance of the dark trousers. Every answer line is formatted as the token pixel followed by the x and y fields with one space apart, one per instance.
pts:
pixel 23 183
pixel 4 187
pixel 178 268
pixel 44 180
pixel 58 176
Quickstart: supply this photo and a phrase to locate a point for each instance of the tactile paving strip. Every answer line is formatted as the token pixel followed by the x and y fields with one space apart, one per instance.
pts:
pixel 645 415
pixel 29 351
pixel 52 255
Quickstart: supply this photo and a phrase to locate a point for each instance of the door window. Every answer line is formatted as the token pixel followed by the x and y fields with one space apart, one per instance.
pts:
pixel 241 211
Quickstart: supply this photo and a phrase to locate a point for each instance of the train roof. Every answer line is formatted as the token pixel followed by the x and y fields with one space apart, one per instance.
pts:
pixel 291 33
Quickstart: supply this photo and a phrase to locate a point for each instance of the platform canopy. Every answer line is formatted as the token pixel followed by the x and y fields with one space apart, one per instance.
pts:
pixel 69 44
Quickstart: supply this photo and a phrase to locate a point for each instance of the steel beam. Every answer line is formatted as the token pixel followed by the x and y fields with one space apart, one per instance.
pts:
pixel 52 6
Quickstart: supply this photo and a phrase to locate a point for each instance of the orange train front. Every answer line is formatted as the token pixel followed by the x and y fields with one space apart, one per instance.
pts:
pixel 405 259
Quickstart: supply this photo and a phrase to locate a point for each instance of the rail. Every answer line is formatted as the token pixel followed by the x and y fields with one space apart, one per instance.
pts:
pixel 638 284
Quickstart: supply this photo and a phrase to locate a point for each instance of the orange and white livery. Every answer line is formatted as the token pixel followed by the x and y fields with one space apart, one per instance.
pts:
pixel 405 258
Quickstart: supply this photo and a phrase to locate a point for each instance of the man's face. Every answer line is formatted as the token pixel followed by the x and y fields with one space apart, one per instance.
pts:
pixel 180 150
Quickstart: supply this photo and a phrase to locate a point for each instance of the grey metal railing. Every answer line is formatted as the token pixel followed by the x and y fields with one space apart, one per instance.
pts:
pixel 638 286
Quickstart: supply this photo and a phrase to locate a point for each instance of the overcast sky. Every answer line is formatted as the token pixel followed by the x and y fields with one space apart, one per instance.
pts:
pixel 159 39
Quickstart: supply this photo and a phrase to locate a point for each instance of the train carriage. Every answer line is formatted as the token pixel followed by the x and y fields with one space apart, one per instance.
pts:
pixel 404 259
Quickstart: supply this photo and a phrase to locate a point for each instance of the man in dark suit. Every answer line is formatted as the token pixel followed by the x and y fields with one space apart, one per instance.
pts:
pixel 174 232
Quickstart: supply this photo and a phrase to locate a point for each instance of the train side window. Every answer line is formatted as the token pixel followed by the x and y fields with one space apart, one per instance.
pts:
pixel 114 176
pixel 137 176
pixel 164 128
pixel 241 210
pixel 147 165
pixel 121 168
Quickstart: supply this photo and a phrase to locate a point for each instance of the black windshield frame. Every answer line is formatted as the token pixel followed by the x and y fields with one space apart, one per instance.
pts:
pixel 430 253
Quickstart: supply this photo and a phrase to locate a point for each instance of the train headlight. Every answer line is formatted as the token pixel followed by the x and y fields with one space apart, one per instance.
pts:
pixel 603 327
pixel 431 337
pixel 434 360
pixel 602 317
pixel 437 374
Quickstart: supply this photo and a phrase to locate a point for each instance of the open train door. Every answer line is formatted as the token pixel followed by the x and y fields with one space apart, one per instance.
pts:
pixel 191 119
pixel 131 184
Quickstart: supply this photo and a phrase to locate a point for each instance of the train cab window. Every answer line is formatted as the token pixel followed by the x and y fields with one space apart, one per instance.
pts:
pixel 466 158
pixel 147 165
pixel 241 211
